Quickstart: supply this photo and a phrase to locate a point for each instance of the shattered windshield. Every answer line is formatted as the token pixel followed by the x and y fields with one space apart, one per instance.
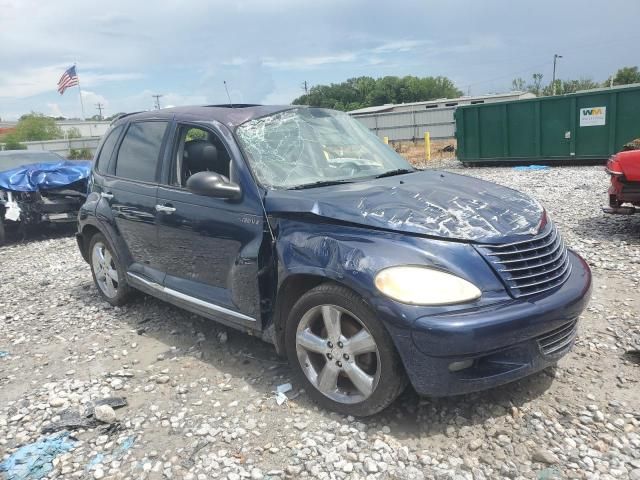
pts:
pixel 306 147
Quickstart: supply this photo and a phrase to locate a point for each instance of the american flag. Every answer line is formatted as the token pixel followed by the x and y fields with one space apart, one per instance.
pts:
pixel 68 79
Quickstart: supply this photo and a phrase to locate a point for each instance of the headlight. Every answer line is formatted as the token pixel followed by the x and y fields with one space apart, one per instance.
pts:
pixel 424 286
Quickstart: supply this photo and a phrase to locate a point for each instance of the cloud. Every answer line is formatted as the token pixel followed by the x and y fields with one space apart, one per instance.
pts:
pixel 310 61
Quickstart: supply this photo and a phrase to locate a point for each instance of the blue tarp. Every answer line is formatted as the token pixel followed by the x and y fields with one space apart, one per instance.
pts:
pixel 35 460
pixel 43 176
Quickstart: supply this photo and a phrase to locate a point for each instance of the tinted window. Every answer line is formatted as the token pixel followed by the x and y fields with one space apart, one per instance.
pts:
pixel 139 151
pixel 102 162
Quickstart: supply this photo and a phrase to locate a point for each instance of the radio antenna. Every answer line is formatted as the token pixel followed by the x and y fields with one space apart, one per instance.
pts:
pixel 228 96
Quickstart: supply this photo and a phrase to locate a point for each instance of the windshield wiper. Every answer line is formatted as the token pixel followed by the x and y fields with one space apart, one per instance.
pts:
pixel 321 183
pixel 392 173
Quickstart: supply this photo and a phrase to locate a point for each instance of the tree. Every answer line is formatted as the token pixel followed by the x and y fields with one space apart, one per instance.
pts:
pixel 362 92
pixel 518 84
pixel 35 126
pixel 626 75
pixel 570 86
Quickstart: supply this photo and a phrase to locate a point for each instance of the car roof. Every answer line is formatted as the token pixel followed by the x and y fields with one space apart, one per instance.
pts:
pixel 225 114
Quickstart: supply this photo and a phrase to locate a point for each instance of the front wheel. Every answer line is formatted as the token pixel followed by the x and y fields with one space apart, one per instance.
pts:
pixel 342 352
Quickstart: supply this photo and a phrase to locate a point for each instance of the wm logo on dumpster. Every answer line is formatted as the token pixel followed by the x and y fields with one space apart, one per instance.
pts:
pixel 593 116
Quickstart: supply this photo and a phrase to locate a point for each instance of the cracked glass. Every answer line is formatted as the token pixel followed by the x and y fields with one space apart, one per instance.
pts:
pixel 305 147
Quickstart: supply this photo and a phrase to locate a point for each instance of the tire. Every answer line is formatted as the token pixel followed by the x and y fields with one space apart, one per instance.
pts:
pixel 108 273
pixel 359 345
pixel 2 231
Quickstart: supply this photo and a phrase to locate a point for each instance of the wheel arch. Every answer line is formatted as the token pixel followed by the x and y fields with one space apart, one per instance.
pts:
pixel 290 290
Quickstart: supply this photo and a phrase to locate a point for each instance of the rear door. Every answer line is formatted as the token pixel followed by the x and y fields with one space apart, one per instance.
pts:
pixel 209 247
pixel 131 191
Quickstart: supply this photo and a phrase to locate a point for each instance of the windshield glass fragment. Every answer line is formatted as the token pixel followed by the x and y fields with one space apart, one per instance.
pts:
pixel 313 147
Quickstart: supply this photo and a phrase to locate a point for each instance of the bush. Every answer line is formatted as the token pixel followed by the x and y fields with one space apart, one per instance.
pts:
pixel 80 154
pixel 12 143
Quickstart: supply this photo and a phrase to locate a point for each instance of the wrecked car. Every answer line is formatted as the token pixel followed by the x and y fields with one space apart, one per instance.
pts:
pixel 39 187
pixel 624 191
pixel 299 226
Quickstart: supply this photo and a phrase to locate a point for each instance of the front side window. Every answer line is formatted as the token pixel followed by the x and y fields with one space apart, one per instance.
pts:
pixel 305 146
pixel 140 151
pixel 198 150
pixel 102 161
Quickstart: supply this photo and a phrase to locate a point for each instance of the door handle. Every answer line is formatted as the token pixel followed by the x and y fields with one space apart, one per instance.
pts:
pixel 165 209
pixel 106 195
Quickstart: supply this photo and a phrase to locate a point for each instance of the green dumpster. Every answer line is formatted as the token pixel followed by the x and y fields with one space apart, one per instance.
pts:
pixel 590 125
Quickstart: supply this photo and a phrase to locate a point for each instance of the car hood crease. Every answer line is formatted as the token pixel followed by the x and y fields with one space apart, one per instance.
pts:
pixel 429 203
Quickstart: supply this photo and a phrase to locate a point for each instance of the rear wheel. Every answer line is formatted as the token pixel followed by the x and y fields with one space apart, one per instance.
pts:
pixel 2 232
pixel 108 274
pixel 342 353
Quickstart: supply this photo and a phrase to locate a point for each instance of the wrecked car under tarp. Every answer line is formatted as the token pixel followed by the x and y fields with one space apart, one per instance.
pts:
pixel 50 190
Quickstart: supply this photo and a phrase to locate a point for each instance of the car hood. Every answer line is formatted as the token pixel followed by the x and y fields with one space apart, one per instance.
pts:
pixel 429 203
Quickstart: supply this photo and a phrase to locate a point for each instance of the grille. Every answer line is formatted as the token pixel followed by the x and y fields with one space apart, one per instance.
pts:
pixel 556 340
pixel 531 266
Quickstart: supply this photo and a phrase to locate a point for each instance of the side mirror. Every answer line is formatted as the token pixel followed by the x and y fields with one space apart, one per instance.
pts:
pixel 211 184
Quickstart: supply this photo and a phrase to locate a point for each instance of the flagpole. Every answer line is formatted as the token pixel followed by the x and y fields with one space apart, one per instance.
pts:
pixel 84 118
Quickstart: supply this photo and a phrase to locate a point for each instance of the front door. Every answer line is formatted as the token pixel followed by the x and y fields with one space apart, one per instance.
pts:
pixel 209 247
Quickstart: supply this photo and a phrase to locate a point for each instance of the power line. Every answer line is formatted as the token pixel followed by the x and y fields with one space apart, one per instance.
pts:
pixel 157 97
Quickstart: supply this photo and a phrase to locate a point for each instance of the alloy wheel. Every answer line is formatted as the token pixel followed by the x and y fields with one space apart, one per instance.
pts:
pixel 105 270
pixel 338 354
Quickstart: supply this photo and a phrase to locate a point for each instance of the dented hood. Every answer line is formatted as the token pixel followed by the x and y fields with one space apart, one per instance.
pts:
pixel 431 203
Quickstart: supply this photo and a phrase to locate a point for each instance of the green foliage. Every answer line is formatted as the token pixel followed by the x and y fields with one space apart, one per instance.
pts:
pixel 570 86
pixel 11 142
pixel 80 154
pixel 35 126
pixel 363 92
pixel 196 134
pixel 626 75
pixel 73 132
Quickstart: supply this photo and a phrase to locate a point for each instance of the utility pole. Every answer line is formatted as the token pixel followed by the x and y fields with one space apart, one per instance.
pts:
pixel 157 97
pixel 553 81
pixel 99 106
pixel 305 87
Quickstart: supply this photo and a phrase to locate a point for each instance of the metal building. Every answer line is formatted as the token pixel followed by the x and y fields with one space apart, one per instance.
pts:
pixel 410 121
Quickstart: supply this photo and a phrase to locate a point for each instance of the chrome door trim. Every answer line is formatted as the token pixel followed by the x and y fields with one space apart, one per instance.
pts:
pixel 187 298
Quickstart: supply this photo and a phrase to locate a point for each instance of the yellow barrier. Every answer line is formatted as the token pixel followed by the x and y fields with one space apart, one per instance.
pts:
pixel 427 146
pixel 385 140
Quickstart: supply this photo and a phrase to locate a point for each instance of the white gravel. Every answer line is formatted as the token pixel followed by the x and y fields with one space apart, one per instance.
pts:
pixel 201 400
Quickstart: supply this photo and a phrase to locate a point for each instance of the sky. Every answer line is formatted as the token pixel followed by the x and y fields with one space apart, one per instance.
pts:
pixel 126 51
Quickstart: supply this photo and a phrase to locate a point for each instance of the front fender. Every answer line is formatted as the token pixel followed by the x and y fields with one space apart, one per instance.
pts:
pixel 352 256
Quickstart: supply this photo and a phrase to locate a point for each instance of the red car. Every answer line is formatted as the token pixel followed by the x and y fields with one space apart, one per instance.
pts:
pixel 624 192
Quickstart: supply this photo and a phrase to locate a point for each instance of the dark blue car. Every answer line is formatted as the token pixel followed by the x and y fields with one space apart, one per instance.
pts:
pixel 299 226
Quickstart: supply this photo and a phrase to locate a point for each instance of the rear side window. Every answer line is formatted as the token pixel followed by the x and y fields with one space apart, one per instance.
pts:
pixel 102 161
pixel 140 151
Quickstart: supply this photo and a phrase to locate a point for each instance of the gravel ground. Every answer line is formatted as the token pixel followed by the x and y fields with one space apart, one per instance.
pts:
pixel 201 400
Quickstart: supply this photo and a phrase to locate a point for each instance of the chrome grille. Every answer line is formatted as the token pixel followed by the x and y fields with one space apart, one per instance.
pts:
pixel 557 340
pixel 531 266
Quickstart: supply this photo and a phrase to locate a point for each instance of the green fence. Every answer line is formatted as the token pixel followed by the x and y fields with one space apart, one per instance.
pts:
pixel 581 126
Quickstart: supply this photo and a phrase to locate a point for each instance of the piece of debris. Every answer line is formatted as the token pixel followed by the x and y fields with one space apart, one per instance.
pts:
pixel 35 460
pixel 73 419
pixel 284 388
pixel 281 391
pixel 3 354
pixel 105 414
pixel 223 337
pixel 531 167
pixel 448 148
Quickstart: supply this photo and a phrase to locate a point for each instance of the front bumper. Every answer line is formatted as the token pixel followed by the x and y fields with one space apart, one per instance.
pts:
pixel 498 343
